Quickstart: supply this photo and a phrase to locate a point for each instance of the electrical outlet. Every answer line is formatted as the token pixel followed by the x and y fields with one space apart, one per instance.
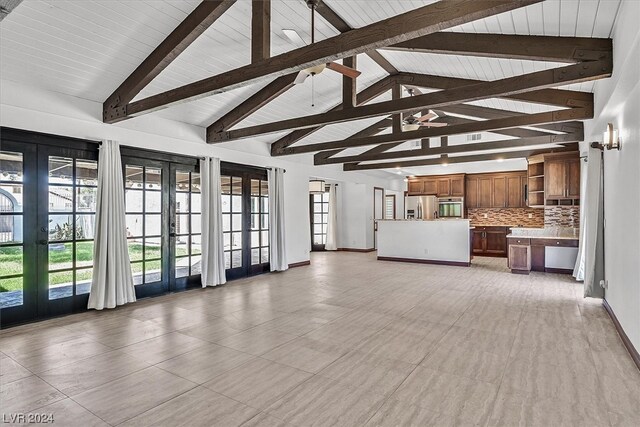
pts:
pixel 530 215
pixel 604 284
pixel 485 215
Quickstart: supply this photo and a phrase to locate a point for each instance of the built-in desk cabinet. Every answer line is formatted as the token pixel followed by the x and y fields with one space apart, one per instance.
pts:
pixel 536 252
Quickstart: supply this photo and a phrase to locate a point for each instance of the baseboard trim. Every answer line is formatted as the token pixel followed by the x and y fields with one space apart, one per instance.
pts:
pixel 635 356
pixel 425 261
pixel 300 264
pixel 558 270
pixel 357 250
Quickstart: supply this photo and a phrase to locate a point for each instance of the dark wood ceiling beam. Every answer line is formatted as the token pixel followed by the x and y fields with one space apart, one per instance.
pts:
pixel 201 18
pixel 415 23
pixel 7 6
pixel 252 104
pixel 458 159
pixel 341 25
pixel 554 97
pixel 461 129
pixel 260 30
pixel 364 96
pixel 319 159
pixel 281 84
pixel 535 48
pixel 538 80
pixel 349 89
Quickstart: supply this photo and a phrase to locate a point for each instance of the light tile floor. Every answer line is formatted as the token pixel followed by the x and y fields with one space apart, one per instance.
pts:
pixel 347 341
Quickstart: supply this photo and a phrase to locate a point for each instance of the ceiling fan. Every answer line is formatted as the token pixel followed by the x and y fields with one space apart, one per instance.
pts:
pixel 312 71
pixel 413 122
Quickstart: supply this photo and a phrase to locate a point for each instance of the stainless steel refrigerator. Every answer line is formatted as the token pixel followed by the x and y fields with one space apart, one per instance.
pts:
pixel 420 207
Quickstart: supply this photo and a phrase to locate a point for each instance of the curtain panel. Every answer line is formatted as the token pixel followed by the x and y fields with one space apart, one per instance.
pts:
pixel 213 271
pixel 277 252
pixel 112 282
pixel 332 220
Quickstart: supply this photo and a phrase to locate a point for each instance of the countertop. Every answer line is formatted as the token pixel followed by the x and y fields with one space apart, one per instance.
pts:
pixel 546 233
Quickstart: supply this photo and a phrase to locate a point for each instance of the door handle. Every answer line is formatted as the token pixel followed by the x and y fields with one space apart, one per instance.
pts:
pixel 172 234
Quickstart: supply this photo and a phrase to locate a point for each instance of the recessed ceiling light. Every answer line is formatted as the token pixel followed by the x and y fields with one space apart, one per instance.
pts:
pixel 444 165
pixel 500 159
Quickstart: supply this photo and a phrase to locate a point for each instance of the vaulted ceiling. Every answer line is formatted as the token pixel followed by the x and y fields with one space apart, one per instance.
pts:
pixel 88 48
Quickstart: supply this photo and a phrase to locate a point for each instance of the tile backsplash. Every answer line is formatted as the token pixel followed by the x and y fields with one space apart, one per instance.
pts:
pixel 508 216
pixel 562 216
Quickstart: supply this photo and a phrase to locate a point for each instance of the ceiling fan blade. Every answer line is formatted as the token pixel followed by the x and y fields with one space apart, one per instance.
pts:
pixel 344 70
pixel 429 116
pixel 301 77
pixel 433 124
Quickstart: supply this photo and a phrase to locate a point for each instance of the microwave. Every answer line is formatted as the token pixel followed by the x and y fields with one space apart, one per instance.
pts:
pixel 451 207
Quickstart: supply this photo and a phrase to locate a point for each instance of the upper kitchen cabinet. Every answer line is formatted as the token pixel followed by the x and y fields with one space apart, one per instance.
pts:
pixel 440 185
pixel 562 179
pixel 496 190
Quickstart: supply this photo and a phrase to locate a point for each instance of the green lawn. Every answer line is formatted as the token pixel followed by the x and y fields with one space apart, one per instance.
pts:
pixel 62 257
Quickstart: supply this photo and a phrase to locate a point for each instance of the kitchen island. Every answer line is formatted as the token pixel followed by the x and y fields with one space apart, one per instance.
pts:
pixel 444 241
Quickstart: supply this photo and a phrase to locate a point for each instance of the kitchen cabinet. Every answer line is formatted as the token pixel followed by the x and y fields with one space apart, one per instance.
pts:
pixel 490 241
pixel 520 258
pixel 437 185
pixel 562 178
pixel 496 190
pixel 538 249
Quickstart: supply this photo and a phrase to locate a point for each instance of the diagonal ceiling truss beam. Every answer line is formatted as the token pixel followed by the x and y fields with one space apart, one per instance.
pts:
pixel 511 85
pixel 535 48
pixel 460 129
pixel 415 23
pixel 284 83
pixel 201 18
pixel 459 148
pixel 460 159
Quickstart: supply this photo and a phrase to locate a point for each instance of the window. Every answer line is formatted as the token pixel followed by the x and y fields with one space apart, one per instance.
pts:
pixel 390 206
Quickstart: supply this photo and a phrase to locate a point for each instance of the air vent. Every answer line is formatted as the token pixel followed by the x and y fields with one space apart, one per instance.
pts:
pixel 474 137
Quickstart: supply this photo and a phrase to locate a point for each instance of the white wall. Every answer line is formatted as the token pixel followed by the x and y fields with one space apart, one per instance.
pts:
pixel 618 101
pixel 35 109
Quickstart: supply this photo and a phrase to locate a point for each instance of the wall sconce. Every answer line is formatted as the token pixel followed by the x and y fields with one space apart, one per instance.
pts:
pixel 611 138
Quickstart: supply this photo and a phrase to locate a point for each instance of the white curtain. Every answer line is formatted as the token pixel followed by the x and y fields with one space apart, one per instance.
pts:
pixel 578 270
pixel 112 282
pixel 332 220
pixel 213 271
pixel 594 226
pixel 277 251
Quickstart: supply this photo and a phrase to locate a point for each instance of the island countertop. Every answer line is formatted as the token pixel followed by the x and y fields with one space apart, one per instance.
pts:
pixel 426 241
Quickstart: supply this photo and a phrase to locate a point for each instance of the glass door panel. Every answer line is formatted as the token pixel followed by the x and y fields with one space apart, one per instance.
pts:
pixel 146 193
pixel 11 229
pixel 232 224
pixel 186 226
pixel 259 223
pixel 319 214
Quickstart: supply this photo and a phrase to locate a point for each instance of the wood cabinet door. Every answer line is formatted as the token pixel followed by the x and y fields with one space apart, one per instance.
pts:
pixel 499 192
pixel 515 191
pixel 471 193
pixel 444 187
pixel 478 242
pixel 520 257
pixel 484 192
pixel 430 187
pixel 415 187
pixel 457 186
pixel 496 241
pixel 555 179
pixel 573 178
